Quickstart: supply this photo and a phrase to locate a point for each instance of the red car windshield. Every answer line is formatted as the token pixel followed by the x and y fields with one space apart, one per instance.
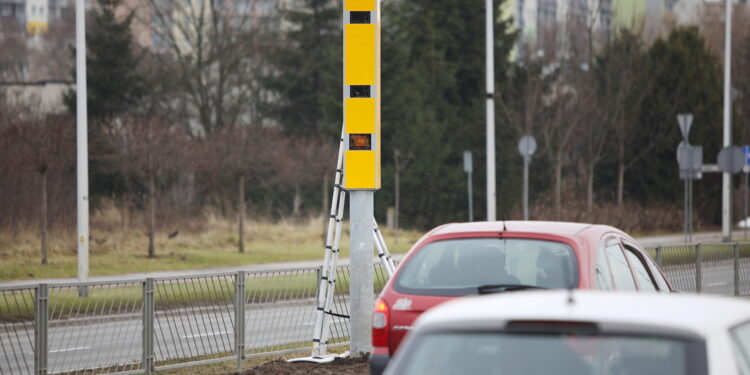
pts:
pixel 470 266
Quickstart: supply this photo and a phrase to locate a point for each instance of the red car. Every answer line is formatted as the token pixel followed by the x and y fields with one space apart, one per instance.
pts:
pixel 460 259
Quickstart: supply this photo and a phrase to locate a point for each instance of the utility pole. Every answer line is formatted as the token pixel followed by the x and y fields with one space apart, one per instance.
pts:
pixel 490 74
pixel 361 158
pixel 82 148
pixel 726 182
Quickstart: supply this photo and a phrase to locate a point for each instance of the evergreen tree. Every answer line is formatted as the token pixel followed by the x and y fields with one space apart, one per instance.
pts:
pixel 686 78
pixel 306 63
pixel 434 104
pixel 114 84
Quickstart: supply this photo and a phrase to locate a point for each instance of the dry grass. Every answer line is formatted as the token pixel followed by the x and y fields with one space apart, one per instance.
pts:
pixel 203 242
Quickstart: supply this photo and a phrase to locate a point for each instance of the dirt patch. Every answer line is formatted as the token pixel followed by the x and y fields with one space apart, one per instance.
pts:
pixel 340 366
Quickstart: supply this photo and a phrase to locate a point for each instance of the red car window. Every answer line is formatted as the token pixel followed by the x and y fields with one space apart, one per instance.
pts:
pixel 460 266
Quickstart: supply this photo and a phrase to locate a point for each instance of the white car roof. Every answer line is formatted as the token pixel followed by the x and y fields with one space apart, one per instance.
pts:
pixel 699 315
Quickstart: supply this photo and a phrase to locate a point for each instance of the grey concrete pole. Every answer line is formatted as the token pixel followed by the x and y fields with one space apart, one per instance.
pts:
pixel 490 73
pixel 526 161
pixel 361 290
pixel 82 147
pixel 726 182
pixel 471 197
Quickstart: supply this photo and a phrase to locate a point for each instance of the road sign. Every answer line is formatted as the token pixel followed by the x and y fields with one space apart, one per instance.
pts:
pixel 686 121
pixel 362 95
pixel 746 151
pixel 468 165
pixel 527 146
pixel 731 159
pixel 690 160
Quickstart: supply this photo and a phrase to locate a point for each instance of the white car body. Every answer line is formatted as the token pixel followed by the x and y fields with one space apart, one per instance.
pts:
pixel 704 317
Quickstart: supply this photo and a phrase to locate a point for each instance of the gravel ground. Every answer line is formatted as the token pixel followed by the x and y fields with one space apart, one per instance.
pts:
pixel 339 366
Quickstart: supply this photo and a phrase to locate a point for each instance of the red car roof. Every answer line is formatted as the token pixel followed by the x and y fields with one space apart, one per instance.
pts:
pixel 550 227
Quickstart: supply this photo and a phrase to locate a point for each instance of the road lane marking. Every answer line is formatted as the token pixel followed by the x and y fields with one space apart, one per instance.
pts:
pixel 718 283
pixel 204 335
pixel 70 349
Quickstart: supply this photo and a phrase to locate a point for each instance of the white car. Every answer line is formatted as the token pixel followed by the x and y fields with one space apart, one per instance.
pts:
pixel 579 333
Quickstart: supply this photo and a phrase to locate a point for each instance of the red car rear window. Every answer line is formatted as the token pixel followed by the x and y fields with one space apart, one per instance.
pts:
pixel 463 266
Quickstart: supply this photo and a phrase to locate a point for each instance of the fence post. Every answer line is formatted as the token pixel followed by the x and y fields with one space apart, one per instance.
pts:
pixel 239 318
pixel 736 255
pixel 148 326
pixel 41 303
pixel 658 255
pixel 698 271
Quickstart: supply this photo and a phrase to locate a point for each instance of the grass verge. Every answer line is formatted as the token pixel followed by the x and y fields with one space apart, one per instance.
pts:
pixel 115 249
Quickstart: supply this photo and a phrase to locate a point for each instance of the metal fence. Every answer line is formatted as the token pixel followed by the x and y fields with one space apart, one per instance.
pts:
pixel 142 326
pixel 712 268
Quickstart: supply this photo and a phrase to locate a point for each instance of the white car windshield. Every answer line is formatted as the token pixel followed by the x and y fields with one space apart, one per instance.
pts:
pixel 478 265
pixel 542 354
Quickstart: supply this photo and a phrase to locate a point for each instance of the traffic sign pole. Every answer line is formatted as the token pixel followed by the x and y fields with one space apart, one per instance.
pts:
pixel 526 161
pixel 526 147
pixel 469 169
pixel 746 171
pixel 744 204
pixel 690 196
pixel 690 160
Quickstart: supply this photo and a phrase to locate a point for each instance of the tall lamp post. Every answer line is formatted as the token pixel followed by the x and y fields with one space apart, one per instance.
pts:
pixel 82 157
pixel 490 74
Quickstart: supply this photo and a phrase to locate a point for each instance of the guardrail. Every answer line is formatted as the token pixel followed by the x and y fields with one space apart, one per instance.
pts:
pixel 143 326
pixel 713 268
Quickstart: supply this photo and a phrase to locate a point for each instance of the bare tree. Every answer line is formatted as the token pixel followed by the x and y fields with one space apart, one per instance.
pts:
pixel 623 86
pixel 48 144
pixel 151 150
pixel 211 50
pixel 305 163
pixel 561 121
pixel 238 154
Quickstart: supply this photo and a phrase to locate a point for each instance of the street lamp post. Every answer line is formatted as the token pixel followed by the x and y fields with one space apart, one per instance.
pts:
pixel 490 74
pixel 82 148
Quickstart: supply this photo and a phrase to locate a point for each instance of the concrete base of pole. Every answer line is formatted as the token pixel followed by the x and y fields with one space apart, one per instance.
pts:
pixel 361 290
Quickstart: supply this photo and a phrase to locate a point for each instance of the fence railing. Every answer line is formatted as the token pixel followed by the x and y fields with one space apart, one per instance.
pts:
pixel 142 326
pixel 712 268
